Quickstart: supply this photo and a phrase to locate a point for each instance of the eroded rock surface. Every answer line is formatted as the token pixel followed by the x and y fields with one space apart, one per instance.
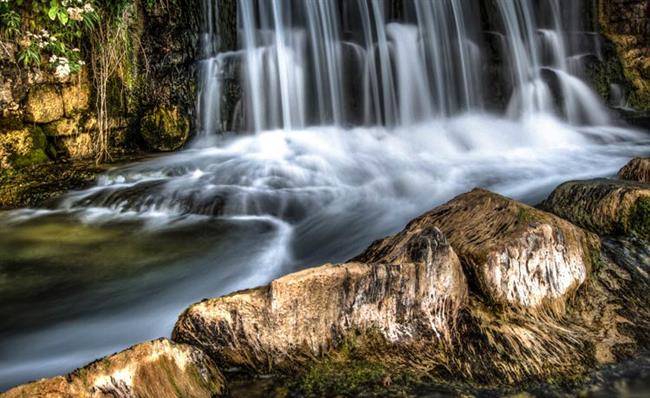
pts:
pixel 606 207
pixel 416 293
pixel 517 255
pixel 157 369
pixel 637 169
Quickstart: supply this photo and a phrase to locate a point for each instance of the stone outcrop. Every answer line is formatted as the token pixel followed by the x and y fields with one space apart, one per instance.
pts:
pixel 606 207
pixel 22 147
pixel 637 169
pixel 517 255
pixel 627 24
pixel 415 294
pixel 165 129
pixel 156 369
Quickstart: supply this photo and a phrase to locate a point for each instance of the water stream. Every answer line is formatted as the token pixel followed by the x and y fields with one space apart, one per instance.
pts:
pixel 360 116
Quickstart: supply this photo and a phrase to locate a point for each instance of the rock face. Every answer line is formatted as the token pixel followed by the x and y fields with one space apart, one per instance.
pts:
pixel 608 207
pixel 22 147
pixel 44 104
pixel 518 256
pixel 637 169
pixel 414 292
pixel 157 369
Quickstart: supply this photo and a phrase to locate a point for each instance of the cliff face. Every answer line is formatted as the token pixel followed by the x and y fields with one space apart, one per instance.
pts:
pixel 627 24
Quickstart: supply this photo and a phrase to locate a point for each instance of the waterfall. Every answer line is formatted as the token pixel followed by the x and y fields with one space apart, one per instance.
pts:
pixel 397 63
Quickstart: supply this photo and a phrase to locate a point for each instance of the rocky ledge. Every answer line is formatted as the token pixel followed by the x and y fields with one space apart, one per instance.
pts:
pixel 155 369
pixel 481 292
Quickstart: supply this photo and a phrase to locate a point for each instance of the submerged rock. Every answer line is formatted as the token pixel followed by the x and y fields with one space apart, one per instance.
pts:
pixel 154 369
pixel 516 255
pixel 606 207
pixel 414 293
pixel 637 169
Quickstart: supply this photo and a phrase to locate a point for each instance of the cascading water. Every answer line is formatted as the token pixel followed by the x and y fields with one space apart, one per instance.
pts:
pixel 365 113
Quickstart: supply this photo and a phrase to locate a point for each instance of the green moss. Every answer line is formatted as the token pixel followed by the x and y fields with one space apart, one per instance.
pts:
pixel 639 221
pixel 525 216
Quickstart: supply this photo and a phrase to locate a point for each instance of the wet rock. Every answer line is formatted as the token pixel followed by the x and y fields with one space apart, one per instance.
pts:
pixel 414 293
pixel 637 169
pixel 514 254
pixel 154 369
pixel 606 207
pixel 44 104
pixel 78 146
pixel 165 129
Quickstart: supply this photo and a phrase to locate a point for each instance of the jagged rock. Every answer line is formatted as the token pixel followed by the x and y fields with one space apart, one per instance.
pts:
pixel 517 255
pixel 637 169
pixel 154 369
pixel 165 129
pixel 414 293
pixel 44 104
pixel 606 207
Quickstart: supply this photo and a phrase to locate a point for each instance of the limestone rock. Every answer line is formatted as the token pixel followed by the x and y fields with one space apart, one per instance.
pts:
pixel 416 293
pixel 637 169
pixel 76 98
pixel 63 127
pixel 77 146
pixel 606 207
pixel 156 369
pixel 44 104
pixel 517 255
pixel 165 129
pixel 22 147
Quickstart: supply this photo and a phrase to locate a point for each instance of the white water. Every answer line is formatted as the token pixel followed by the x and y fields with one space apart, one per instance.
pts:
pixel 362 121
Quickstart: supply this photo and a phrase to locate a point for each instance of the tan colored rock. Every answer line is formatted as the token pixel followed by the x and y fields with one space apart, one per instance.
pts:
pixel 416 294
pixel 76 98
pixel 637 169
pixel 78 146
pixel 519 256
pixel 156 369
pixel 63 127
pixel 606 207
pixel 44 104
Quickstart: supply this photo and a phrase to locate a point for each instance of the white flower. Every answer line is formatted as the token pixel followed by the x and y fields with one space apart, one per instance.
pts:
pixel 62 71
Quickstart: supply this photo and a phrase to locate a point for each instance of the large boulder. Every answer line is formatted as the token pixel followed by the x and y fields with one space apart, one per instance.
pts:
pixel 606 207
pixel 414 293
pixel 637 169
pixel 516 255
pixel 165 129
pixel 76 98
pixel 44 104
pixel 154 369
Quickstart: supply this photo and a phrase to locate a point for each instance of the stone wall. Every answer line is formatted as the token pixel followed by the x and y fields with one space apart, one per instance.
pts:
pixel 151 96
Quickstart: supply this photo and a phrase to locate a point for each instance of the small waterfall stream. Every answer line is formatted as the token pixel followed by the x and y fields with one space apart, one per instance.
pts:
pixel 359 114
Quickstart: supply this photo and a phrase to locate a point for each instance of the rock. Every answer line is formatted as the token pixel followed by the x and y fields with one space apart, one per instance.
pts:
pixel 637 169
pixel 165 129
pixel 21 148
pixel 78 146
pixel 415 292
pixel 63 127
pixel 76 98
pixel 154 369
pixel 606 207
pixel 44 104
pixel 517 255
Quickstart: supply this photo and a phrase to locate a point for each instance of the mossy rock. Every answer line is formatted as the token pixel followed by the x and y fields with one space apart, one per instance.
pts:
pixel 165 129
pixel 22 148
pixel 44 104
pixel 606 207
